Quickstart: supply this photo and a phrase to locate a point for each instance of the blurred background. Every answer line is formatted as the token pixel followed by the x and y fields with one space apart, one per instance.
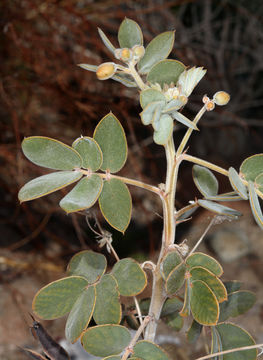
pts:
pixel 43 92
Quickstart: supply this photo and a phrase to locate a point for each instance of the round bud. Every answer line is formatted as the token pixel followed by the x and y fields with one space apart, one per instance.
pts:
pixel 210 105
pixel 117 53
pixel 106 71
pixel 205 99
pixel 126 54
pixel 138 51
pixel 221 98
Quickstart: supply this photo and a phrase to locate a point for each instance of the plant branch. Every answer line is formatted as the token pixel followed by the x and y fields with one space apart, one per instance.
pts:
pixel 137 77
pixel 210 356
pixel 128 181
pixel 207 164
pixel 129 348
pixel 203 235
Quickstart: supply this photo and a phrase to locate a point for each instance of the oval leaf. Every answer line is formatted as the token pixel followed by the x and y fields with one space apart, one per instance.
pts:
pixel 205 181
pixel 111 138
pixel 149 351
pixel 216 285
pixel 57 298
pixel 50 153
pixel 158 49
pixel 80 314
pixel 238 303
pixel 252 167
pixel 130 277
pixel 150 95
pixel 112 358
pixel 175 279
pixel 83 195
pixel 88 264
pixel 165 72
pixel 105 340
pixel 237 183
pixel 229 196
pixel 232 337
pixel 129 34
pixel 204 305
pixel 170 261
pixel 219 209
pixel 90 152
pixel 255 205
pixel 206 261
pixel 108 307
pixel 165 130
pixel 115 204
pixel 46 184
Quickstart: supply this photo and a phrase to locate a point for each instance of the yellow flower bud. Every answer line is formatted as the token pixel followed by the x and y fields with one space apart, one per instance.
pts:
pixel 106 71
pixel 126 54
pixel 210 105
pixel 138 51
pixel 221 98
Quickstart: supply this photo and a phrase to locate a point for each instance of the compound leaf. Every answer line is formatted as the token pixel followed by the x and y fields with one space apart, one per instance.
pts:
pixel 46 184
pixel 105 340
pixel 51 153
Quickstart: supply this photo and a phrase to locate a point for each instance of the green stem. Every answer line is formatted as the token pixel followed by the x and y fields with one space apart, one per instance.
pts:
pixel 136 77
pixel 158 291
pixel 128 181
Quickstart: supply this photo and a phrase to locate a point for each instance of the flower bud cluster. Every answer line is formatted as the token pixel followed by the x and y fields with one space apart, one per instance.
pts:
pixel 130 55
pixel 220 98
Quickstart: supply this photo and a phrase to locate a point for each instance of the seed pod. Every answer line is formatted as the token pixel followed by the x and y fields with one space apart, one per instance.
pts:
pixel 106 71
pixel 221 98
pixel 50 347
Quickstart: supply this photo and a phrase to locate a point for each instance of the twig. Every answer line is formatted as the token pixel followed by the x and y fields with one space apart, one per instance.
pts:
pixel 202 237
pixel 210 356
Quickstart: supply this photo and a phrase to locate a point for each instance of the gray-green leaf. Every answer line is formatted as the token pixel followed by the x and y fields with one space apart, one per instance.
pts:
pixel 129 34
pixel 47 184
pixel 83 195
pixel 158 49
pixel 51 153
